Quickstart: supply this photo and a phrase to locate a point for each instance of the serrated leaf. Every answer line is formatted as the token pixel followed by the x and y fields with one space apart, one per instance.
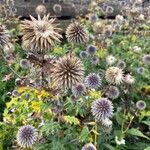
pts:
pixel 146 122
pixel 84 134
pixel 137 132
pixel 71 120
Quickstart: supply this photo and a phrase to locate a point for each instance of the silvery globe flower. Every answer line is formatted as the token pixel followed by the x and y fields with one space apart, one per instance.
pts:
pixel 27 136
pixel 113 92
pixel 93 81
pixel 141 105
pixel 89 146
pixel 102 109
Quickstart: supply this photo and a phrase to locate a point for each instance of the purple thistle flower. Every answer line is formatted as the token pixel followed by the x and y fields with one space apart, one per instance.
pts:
pixel 83 54
pixel 91 49
pixel 78 90
pixel 141 105
pixel 93 81
pixel 102 108
pixel 89 146
pixel 94 60
pixel 146 59
pixel 113 92
pixel 24 63
pixel 140 70
pixel 27 136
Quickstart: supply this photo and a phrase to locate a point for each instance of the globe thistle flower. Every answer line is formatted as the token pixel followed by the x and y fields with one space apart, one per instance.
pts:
pixel 146 59
pixel 41 34
pixel 76 33
pixel 129 79
pixel 24 63
pixel 113 92
pixel 4 36
pixel 93 81
pixel 121 64
pixel 89 146
pixel 91 49
pixel 95 60
pixel 102 109
pixel 109 9
pixel 123 3
pixel 78 90
pixel 57 8
pixel 68 71
pixel 15 93
pixel 18 82
pixel 107 32
pixel 140 105
pixel 83 54
pixel 93 18
pixel 106 122
pixel 27 136
pixel 110 60
pixel 40 10
pixel 140 70
pixel 114 75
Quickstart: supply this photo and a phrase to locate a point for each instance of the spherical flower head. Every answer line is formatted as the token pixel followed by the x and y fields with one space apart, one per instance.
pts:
pixel 78 90
pixel 57 8
pixel 113 92
pixel 123 3
pixel 24 63
pixel 110 60
pixel 76 33
pixel 83 54
pixel 121 64
pixel 93 18
pixel 27 136
pixel 15 93
pixel 140 70
pixel 146 59
pixel 114 75
pixel 95 60
pixel 140 105
pixel 102 109
pixel 106 122
pixel 18 82
pixel 91 49
pixel 89 146
pixel 40 35
pixel 129 79
pixel 107 32
pixel 40 10
pixel 68 71
pixel 109 10
pixel 93 81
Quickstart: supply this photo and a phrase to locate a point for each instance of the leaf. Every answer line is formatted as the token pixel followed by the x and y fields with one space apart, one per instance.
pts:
pixel 71 120
pixel 109 147
pixel 137 132
pixel 148 148
pixel 146 122
pixel 84 134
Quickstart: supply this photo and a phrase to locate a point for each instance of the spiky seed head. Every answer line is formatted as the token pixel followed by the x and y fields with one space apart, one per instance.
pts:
pixel 121 64
pixel 76 33
pixel 40 35
pixel 102 109
pixel 4 36
pixel 110 60
pixel 27 136
pixel 129 79
pixel 91 49
pixel 89 146
pixel 114 75
pixel 68 71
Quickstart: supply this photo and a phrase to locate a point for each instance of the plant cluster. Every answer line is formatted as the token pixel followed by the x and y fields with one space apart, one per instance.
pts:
pixel 90 93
